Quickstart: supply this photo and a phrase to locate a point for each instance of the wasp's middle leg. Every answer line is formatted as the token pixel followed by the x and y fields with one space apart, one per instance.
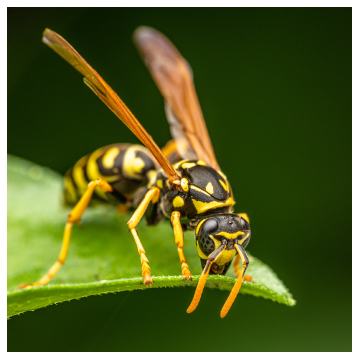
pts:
pixel 152 195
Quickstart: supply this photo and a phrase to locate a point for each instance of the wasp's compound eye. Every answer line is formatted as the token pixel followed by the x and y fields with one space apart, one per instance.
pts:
pixel 245 224
pixel 205 242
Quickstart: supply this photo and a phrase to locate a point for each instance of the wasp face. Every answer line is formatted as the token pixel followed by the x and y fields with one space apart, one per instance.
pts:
pixel 212 231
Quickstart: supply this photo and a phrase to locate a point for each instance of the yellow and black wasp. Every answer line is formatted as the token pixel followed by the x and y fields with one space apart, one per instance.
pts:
pixel 183 181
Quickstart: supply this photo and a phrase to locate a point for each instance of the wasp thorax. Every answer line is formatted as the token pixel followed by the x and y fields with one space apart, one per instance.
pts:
pixel 185 184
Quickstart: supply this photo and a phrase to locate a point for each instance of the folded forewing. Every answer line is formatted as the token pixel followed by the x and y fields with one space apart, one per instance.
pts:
pixel 108 96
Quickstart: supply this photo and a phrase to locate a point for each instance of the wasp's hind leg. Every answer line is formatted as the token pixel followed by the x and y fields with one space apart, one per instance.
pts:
pixel 74 217
pixel 177 228
pixel 152 195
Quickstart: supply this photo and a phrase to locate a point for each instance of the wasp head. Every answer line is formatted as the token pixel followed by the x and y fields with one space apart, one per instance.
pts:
pixel 214 230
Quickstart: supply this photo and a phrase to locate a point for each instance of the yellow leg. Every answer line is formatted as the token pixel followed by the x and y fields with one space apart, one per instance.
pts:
pixel 236 266
pixel 247 278
pixel 237 270
pixel 152 195
pixel 177 228
pixel 244 215
pixel 74 217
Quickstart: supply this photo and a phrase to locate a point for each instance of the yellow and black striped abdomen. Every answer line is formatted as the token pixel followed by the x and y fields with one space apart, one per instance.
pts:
pixel 125 167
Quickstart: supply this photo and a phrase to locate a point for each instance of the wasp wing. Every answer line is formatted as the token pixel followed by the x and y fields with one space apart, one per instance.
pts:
pixel 173 77
pixel 93 80
pixel 183 144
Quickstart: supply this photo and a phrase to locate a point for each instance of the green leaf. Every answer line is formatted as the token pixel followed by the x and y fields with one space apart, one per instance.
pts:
pixel 103 257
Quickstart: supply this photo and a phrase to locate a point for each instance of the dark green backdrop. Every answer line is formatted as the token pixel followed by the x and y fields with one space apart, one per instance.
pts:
pixel 275 89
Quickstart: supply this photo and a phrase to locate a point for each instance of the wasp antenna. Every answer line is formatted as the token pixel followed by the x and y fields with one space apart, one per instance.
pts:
pixel 239 281
pixel 202 280
pixel 232 297
pixel 199 290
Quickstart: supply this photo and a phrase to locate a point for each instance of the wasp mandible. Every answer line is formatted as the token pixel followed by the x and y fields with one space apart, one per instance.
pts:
pixel 183 181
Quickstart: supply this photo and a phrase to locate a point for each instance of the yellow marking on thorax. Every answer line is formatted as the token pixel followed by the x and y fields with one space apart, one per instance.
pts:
pixel 222 174
pixel 184 184
pixel 133 165
pixel 224 185
pixel 178 202
pixel 229 235
pixel 200 190
pixel 79 175
pixel 201 163
pixel 203 207
pixel 159 183
pixel 209 188
pixel 108 160
pixel 188 165
pixel 178 164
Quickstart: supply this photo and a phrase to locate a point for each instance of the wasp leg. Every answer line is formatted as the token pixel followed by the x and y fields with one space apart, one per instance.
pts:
pixel 177 228
pixel 153 194
pixel 74 217
pixel 237 270
pixel 247 278
pixel 239 281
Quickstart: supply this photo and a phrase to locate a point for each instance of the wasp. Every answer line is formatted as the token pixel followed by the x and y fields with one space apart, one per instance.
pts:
pixel 182 182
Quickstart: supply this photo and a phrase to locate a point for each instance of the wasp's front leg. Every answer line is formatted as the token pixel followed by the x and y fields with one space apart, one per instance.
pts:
pixel 237 270
pixel 152 195
pixel 178 232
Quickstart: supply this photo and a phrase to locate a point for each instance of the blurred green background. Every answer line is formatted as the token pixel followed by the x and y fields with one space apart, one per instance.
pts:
pixel 275 88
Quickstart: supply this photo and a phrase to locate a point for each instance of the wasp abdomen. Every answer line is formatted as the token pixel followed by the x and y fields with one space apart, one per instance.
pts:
pixel 125 167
